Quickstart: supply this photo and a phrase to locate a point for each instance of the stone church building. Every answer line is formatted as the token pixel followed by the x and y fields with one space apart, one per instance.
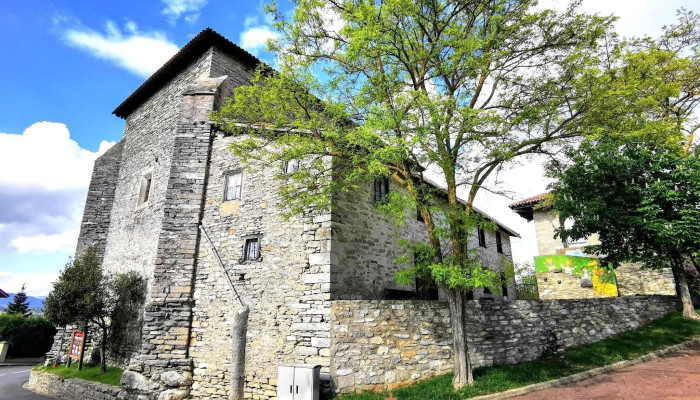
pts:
pixel 170 199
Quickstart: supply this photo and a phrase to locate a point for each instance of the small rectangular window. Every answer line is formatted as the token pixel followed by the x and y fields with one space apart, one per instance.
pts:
pixel 234 186
pixel 145 191
pixel 504 284
pixel 419 216
pixel 482 238
pixel 251 249
pixel 291 166
pixel 499 242
pixel 381 189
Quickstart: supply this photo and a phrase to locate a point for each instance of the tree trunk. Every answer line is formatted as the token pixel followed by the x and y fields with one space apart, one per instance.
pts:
pixel 103 351
pixel 240 329
pixel 82 347
pixel 463 368
pixel 684 292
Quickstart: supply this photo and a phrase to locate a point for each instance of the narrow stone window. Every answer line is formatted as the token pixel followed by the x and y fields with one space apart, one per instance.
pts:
pixel 504 284
pixel 291 166
pixel 381 189
pixel 482 238
pixel 234 185
pixel 145 191
pixel 251 249
pixel 499 242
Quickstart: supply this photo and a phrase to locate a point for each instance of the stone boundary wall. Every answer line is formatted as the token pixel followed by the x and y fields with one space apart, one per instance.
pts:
pixel 632 280
pixel 385 344
pixel 71 389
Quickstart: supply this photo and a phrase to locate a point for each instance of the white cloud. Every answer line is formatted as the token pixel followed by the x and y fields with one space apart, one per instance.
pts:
pixel 45 156
pixel 637 17
pixel 64 241
pixel 254 39
pixel 39 284
pixel 174 9
pixel 44 176
pixel 141 53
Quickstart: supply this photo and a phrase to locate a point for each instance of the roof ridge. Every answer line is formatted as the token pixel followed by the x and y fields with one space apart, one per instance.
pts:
pixel 205 39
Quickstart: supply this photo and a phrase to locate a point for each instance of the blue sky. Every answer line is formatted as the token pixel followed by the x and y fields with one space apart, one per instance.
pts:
pixel 67 64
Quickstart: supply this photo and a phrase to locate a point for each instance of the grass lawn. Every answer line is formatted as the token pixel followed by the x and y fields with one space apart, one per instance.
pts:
pixel 88 373
pixel 670 330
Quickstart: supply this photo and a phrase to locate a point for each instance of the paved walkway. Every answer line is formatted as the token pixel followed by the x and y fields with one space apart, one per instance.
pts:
pixel 11 380
pixel 673 377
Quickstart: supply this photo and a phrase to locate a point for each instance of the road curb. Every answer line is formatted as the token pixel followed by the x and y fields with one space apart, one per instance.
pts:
pixel 586 374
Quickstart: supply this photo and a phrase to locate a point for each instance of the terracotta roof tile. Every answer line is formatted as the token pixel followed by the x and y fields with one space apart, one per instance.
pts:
pixel 530 201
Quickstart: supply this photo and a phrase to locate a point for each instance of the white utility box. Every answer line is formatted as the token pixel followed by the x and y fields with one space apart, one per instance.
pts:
pixel 298 382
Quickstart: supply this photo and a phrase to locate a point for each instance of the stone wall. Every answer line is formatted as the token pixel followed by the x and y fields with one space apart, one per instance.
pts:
pixel 149 135
pixel 633 280
pixel 98 204
pixel 288 290
pixel 366 244
pixel 553 285
pixel 385 344
pixel 71 389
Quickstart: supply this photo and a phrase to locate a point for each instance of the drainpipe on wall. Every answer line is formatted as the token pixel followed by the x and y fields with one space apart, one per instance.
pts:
pixel 238 334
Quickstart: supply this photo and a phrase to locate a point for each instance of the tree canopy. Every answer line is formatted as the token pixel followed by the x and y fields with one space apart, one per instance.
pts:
pixel 636 181
pixel 85 294
pixel 408 90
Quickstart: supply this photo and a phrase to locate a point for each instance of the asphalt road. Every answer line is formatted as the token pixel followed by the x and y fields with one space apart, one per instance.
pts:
pixel 11 381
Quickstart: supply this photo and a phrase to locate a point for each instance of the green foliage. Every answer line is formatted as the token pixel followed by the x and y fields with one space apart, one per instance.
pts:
pixel 83 293
pixel 76 296
pixel 643 202
pixel 407 87
pixel 30 336
pixel 667 331
pixel 527 288
pixel 89 373
pixel 19 304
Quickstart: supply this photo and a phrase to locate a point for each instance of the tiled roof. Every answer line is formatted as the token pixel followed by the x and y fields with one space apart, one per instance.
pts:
pixel 530 201
pixel 193 49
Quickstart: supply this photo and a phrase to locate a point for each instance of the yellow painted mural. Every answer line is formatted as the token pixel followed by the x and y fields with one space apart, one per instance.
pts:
pixel 603 280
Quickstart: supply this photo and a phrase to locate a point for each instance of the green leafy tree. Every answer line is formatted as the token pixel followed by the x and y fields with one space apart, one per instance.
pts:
pixel 638 183
pixel 401 89
pixel 19 304
pixel 643 203
pixel 84 294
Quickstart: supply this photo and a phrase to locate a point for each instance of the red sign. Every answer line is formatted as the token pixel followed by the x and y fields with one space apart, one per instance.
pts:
pixel 77 344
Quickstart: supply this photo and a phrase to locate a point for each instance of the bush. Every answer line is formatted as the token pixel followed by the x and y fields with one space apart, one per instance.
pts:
pixel 28 336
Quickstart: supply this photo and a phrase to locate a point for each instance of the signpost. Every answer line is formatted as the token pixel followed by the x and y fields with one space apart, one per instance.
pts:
pixel 77 344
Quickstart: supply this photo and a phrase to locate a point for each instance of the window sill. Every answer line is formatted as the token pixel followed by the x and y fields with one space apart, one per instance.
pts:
pixel 254 260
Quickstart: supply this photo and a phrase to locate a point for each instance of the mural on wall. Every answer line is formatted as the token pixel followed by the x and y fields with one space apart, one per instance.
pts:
pixel 601 279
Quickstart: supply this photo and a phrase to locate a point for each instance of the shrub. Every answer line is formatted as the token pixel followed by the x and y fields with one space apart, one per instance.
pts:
pixel 28 336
